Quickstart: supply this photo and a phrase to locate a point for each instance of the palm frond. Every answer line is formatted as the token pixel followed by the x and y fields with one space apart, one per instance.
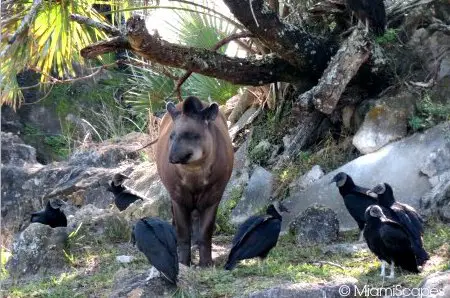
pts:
pixel 149 89
pixel 50 45
pixel 207 87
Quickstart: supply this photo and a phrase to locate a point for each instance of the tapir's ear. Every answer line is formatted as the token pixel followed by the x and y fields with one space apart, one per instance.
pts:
pixel 210 113
pixel 172 110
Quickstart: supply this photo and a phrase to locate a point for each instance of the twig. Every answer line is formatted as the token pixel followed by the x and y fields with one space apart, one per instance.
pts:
pixel 231 21
pixel 54 80
pixel 428 84
pixel 90 22
pixel 26 20
pixel 40 99
pixel 253 12
pixel 327 263
pixel 217 46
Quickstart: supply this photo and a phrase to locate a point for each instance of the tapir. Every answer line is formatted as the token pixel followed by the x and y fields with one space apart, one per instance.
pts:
pixel 194 158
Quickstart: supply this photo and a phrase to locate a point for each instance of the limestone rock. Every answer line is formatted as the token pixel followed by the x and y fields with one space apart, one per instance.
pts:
pixel 437 201
pixel 82 181
pixel 385 122
pixel 315 226
pixel 133 284
pixel 246 118
pixel 256 195
pixel 399 164
pixel 110 152
pixel 308 179
pixel 38 249
pixel 145 181
pixel 15 152
pixel 433 48
pixel 345 248
pixel 436 285
pixel 335 289
pixel 100 226
pixel 138 283
pixel 437 161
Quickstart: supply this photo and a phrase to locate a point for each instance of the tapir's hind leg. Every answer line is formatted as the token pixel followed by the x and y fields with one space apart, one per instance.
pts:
pixel 182 219
pixel 207 223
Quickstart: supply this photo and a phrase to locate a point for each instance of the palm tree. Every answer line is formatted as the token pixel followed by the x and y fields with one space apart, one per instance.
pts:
pixel 39 35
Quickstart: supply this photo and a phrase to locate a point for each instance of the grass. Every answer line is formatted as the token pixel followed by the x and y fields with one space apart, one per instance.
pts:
pixel 94 279
pixel 288 262
pixel 93 271
pixel 428 114
pixel 389 37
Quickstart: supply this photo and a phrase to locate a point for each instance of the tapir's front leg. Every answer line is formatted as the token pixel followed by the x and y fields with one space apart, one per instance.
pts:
pixel 182 218
pixel 207 222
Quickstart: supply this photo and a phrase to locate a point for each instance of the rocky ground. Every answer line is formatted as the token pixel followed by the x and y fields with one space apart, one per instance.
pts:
pixel 318 252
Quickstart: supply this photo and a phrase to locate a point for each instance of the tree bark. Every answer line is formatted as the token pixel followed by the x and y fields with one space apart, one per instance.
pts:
pixel 306 134
pixel 342 68
pixel 250 71
pixel 308 53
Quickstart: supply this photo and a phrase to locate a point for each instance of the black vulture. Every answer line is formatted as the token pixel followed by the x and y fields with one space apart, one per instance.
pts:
pixel 52 215
pixel 356 198
pixel 406 215
pixel 371 13
pixel 389 241
pixel 256 236
pixel 158 241
pixel 122 196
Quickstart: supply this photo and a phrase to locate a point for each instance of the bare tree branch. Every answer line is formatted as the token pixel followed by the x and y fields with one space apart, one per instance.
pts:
pixel 247 71
pixel 110 30
pixel 309 53
pixel 217 46
pixel 105 46
pixel 342 68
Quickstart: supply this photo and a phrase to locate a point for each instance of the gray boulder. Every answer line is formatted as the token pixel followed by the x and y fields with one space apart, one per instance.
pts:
pixel 399 164
pixel 146 183
pixel 81 181
pixel 387 121
pixel 15 152
pixel 139 283
pixel 437 201
pixel 133 284
pixel 110 153
pixel 437 161
pixel 306 180
pixel 243 121
pixel 345 248
pixel 436 285
pixel 256 195
pixel 432 46
pixel 95 226
pixel 38 249
pixel 339 288
pixel 315 226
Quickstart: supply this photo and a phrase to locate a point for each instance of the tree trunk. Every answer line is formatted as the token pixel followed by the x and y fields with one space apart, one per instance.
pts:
pixel 342 68
pixel 309 53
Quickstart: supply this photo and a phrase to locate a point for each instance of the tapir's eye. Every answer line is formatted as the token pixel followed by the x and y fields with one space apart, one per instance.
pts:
pixel 191 136
pixel 172 135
